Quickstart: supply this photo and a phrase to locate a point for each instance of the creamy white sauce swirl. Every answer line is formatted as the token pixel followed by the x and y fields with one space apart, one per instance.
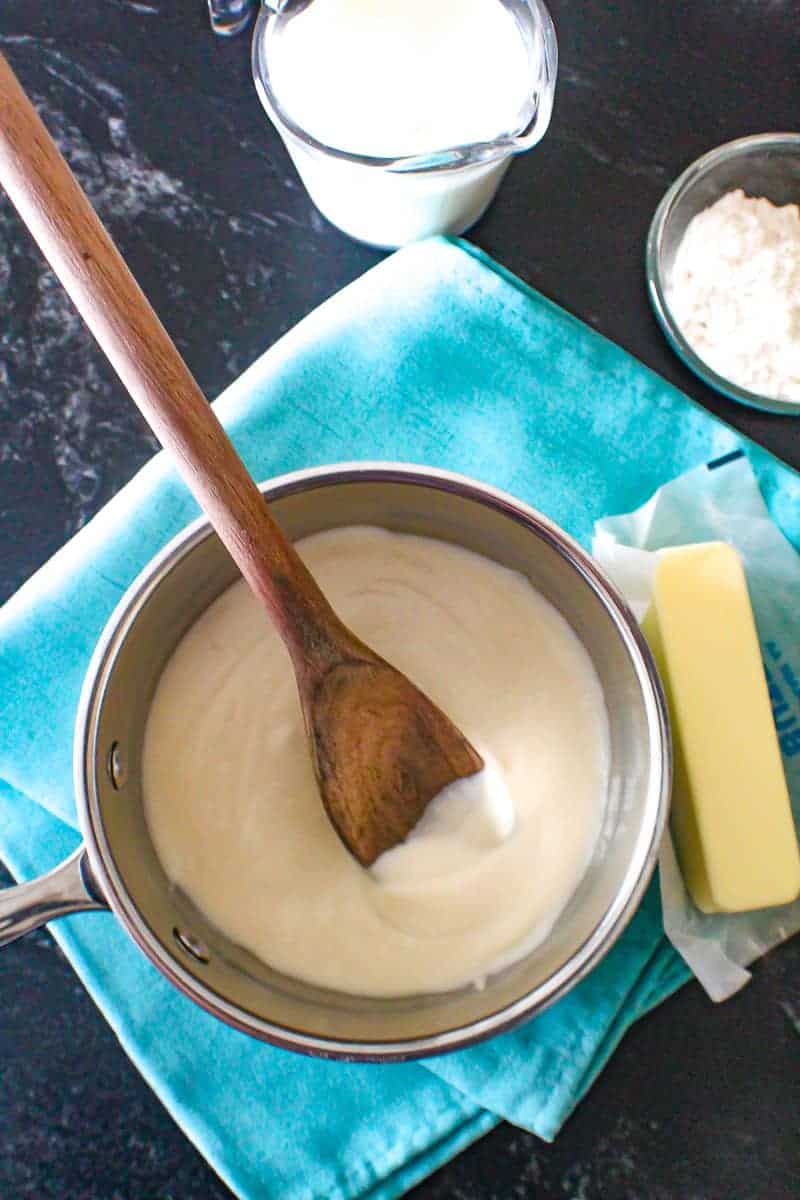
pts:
pixel 236 819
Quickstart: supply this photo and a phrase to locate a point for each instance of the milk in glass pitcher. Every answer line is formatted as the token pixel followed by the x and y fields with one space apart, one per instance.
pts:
pixel 402 116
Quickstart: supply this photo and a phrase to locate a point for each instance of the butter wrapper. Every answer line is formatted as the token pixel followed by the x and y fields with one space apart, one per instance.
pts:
pixel 721 501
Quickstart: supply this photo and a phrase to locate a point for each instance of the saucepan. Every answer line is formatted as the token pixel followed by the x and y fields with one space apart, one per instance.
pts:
pixel 117 867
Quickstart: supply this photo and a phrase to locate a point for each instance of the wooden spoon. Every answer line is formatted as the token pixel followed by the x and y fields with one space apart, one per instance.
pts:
pixel 381 750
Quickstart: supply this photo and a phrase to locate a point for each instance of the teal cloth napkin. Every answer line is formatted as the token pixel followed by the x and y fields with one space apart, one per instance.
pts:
pixel 436 356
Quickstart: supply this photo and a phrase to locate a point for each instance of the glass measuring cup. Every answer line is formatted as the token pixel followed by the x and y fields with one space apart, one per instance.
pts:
pixel 390 201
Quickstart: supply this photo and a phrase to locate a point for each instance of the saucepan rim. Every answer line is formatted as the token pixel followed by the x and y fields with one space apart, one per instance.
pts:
pixel 109 881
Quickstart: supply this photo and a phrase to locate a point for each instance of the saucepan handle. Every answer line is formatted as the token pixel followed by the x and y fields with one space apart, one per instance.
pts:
pixel 68 888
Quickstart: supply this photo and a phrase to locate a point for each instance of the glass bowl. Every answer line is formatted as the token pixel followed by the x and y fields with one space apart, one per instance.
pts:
pixel 767 164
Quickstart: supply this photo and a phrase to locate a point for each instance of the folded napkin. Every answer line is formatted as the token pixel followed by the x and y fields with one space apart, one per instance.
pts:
pixel 436 356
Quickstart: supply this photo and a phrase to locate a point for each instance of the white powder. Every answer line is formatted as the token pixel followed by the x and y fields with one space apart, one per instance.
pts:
pixel 735 292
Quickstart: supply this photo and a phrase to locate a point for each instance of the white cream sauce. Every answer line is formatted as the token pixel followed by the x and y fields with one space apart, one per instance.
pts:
pixel 236 818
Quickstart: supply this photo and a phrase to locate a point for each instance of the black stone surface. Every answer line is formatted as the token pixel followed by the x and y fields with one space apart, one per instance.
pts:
pixel 161 124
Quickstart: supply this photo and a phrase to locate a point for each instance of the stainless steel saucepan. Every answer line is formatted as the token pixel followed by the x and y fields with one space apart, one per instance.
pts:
pixel 117 868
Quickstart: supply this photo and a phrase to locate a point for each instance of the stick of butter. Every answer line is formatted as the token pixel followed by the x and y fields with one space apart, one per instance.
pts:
pixel 731 815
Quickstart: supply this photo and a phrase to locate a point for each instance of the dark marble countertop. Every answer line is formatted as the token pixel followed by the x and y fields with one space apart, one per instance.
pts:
pixel 161 123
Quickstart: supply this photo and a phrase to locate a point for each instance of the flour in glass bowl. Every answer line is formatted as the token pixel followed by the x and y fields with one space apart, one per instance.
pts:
pixel 735 292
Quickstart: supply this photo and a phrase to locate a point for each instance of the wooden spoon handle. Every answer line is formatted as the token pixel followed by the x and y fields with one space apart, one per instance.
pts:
pixel 74 241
